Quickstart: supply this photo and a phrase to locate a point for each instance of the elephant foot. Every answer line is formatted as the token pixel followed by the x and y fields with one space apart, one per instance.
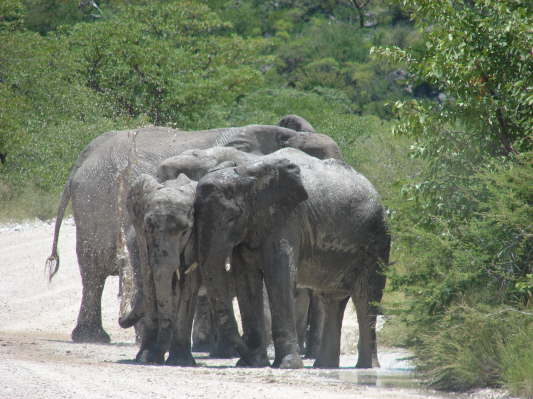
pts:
pixel 139 334
pixel 201 347
pixel 180 360
pixel 254 360
pixel 326 363
pixel 223 352
pixel 90 334
pixel 290 361
pixel 364 364
pixel 150 357
pixel 312 353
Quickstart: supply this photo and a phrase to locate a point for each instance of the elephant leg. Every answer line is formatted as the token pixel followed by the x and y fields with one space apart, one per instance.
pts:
pixel 222 347
pixel 302 301
pixel 376 287
pixel 202 333
pixel 279 257
pixel 164 276
pixel 148 327
pixel 330 346
pixel 268 316
pixel 249 285
pixel 366 321
pixel 317 316
pixel 180 348
pixel 89 326
pixel 218 286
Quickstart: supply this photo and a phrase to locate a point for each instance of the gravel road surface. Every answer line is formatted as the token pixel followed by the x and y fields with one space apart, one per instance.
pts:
pixel 38 359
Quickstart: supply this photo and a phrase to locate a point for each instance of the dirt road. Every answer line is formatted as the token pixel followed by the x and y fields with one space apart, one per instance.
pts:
pixel 38 360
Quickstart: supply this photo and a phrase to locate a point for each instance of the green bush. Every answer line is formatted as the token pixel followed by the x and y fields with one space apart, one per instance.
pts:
pixel 172 64
pixel 462 227
pixel 517 361
pixel 478 347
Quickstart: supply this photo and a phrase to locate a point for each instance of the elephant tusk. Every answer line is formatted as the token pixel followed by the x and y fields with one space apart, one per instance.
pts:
pixel 227 264
pixel 178 273
pixel 191 268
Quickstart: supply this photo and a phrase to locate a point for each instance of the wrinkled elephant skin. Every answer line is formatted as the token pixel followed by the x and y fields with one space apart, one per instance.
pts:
pixel 295 219
pixel 97 187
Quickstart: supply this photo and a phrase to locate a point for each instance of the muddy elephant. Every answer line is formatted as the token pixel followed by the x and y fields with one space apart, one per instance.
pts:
pixel 195 164
pixel 102 176
pixel 164 261
pixel 293 219
pixel 161 249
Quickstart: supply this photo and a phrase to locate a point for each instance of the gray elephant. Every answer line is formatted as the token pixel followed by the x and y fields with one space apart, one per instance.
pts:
pixel 158 252
pixel 102 176
pixel 161 249
pixel 162 216
pixel 310 310
pixel 293 218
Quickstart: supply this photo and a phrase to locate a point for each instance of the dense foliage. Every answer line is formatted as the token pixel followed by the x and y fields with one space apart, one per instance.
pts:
pixel 452 79
pixel 70 71
pixel 464 224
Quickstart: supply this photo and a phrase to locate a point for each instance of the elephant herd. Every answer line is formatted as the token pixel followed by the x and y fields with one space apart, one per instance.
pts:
pixel 236 211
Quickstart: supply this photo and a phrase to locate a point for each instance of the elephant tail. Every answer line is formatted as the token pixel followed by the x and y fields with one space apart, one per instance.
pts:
pixel 52 263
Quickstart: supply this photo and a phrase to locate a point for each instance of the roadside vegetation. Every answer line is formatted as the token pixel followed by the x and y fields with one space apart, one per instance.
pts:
pixel 432 101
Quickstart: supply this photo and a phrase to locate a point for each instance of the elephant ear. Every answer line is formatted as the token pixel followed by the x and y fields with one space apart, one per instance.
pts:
pixel 278 182
pixel 260 173
pixel 143 186
pixel 290 185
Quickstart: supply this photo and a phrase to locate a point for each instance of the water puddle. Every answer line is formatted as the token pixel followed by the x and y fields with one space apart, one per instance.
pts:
pixel 396 371
pixel 380 378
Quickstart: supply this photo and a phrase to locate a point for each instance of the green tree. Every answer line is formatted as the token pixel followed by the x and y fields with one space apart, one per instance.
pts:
pixel 463 226
pixel 172 64
pixel 11 15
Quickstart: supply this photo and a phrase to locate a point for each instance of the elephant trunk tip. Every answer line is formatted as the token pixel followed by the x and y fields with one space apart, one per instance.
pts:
pixel 129 320
pixel 51 266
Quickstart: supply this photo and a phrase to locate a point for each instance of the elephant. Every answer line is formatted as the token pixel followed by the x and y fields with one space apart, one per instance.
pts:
pixel 162 217
pixel 294 220
pixel 101 177
pixel 195 164
pixel 155 249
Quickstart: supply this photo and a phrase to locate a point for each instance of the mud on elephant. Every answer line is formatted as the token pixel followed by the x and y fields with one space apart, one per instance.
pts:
pixel 100 179
pixel 161 213
pixel 294 219
pixel 162 216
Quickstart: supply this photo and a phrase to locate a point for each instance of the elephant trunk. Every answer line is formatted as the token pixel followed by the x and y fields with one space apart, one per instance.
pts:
pixel 135 314
pixel 213 264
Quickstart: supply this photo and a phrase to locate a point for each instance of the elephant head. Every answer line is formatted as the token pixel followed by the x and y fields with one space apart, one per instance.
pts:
pixel 297 123
pixel 261 139
pixel 239 205
pixel 162 215
pixel 196 163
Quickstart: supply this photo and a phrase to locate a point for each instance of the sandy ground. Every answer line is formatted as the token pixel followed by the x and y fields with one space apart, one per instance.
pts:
pixel 38 360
